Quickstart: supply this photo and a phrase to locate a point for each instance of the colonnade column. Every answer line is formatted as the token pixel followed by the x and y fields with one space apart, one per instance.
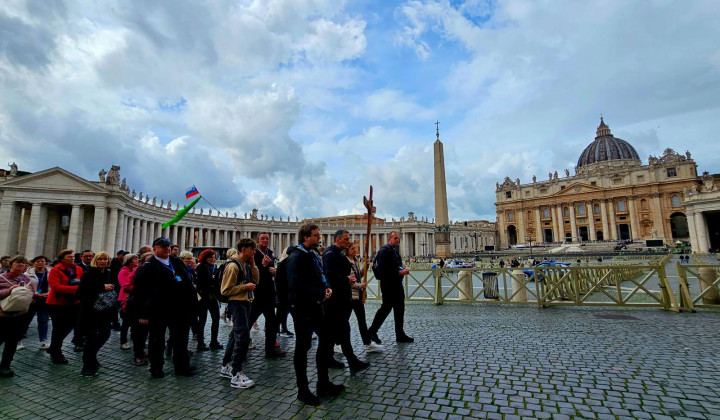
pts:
pixel 143 233
pixel 573 223
pixel 180 230
pixel 604 219
pixel 73 233
pixel 122 232
pixel 591 220
pixel 633 219
pixel 98 233
pixel 33 231
pixel 613 226
pixel 701 230
pixel 692 229
pixel 112 232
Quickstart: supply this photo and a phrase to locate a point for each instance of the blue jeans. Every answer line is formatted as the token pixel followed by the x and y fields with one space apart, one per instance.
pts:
pixel 42 321
pixel 237 346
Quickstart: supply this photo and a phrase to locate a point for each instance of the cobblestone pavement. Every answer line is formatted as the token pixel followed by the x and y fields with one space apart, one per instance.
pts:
pixel 483 360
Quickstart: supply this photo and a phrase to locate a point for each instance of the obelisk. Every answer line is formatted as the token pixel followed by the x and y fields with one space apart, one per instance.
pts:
pixel 442 222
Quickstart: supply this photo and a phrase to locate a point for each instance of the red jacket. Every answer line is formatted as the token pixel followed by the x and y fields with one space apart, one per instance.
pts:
pixel 60 292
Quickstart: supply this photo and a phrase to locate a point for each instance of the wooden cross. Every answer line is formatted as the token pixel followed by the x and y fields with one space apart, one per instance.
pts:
pixel 368 203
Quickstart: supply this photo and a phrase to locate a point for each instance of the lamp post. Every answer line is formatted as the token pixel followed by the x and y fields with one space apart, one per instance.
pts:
pixel 529 239
pixel 423 244
pixel 474 235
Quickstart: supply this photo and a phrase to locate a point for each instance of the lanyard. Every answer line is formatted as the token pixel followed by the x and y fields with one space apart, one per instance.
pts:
pixel 317 264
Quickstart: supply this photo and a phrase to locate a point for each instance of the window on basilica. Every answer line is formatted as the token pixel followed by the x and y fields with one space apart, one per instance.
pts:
pixel 511 216
pixel 671 172
pixel 675 201
pixel 581 209
pixel 621 205
pixel 546 213
pixel 566 212
pixel 596 209
pixel 508 194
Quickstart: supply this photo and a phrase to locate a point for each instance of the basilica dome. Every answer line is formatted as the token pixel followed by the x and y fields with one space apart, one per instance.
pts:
pixel 607 147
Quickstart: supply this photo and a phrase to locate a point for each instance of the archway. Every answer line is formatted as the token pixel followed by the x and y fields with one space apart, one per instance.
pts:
pixel 624 231
pixel 512 235
pixel 679 226
pixel 583 230
pixel 599 235
pixel 548 236
pixel 713 224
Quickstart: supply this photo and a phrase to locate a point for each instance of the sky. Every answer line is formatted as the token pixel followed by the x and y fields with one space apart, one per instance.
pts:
pixel 296 107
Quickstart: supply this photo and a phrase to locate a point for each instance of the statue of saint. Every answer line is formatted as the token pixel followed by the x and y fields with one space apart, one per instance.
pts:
pixel 101 175
pixel 567 173
pixel 534 179
pixel 13 169
pixel 113 176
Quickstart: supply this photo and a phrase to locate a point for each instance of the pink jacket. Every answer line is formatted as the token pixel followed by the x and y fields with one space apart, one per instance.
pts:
pixel 126 278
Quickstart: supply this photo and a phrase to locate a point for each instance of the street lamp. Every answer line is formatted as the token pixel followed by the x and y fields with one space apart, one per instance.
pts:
pixel 474 235
pixel 529 239
pixel 423 244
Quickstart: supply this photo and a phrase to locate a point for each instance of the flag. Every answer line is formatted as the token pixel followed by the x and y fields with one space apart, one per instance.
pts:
pixel 192 192
pixel 181 213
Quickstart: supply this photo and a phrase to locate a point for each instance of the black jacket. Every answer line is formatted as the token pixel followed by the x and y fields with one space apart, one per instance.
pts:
pixel 389 263
pixel 92 283
pixel 159 294
pixel 306 285
pixel 266 285
pixel 337 268
pixel 205 281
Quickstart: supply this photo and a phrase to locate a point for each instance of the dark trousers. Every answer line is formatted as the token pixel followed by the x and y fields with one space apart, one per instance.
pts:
pixel 306 321
pixel 12 329
pixel 266 307
pixel 393 299
pixel 64 319
pixel 283 309
pixel 139 335
pixel 179 326
pixel 237 346
pixel 97 331
pixel 205 306
pixel 126 321
pixel 359 308
pixel 340 321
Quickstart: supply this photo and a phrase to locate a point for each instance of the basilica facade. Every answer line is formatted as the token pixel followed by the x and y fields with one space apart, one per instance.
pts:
pixel 612 196
pixel 54 209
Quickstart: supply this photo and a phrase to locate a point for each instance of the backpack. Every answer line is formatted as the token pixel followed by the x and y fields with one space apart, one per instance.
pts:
pixel 375 264
pixel 218 276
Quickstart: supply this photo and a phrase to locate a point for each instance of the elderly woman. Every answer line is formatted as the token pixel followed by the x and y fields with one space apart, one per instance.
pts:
pixel 357 304
pixel 13 324
pixel 126 278
pixel 62 302
pixel 39 272
pixel 206 285
pixel 98 303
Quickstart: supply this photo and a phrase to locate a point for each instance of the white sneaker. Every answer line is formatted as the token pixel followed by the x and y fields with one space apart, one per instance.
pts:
pixel 44 345
pixel 241 381
pixel 125 346
pixel 338 349
pixel 20 346
pixel 226 371
pixel 373 348
pixel 251 345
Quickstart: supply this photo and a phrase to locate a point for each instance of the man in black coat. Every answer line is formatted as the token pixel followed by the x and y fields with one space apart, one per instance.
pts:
pixel 337 269
pixel 308 291
pixel 165 298
pixel 264 302
pixel 393 293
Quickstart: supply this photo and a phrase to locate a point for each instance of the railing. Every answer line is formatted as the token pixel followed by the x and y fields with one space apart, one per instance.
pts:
pixel 631 285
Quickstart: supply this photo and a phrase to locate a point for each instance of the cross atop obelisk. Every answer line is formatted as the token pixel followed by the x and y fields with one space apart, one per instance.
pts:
pixel 442 222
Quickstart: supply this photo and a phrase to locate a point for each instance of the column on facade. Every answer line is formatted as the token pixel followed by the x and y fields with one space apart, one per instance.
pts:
pixel 539 226
pixel 591 220
pixel 555 223
pixel 692 230
pixel 121 231
pixel 33 233
pixel 657 216
pixel 633 219
pixel 143 233
pixel 98 232
pixel 561 223
pixel 501 229
pixel 74 232
pixel 573 223
pixel 702 233
pixel 521 231
pixel 611 219
pixel 112 232
pixel 166 233
pixel 234 240
pixel 604 220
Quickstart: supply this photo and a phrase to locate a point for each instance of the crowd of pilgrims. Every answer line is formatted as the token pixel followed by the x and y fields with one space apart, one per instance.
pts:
pixel 93 294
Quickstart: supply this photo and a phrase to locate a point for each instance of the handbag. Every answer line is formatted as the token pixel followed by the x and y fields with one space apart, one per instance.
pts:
pixel 18 300
pixel 105 301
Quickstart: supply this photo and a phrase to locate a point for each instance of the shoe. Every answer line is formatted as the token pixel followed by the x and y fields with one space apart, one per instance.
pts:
pixel 20 346
pixel 405 339
pixel 140 361
pixel 239 380
pixel 202 347
pixel 338 349
pixel 359 366
pixel 188 371
pixel 125 346
pixel 374 337
pixel 226 371
pixel 44 345
pixel 216 346
pixel 314 336
pixel 330 389
pixel 224 317
pixel 308 398
pixel 79 348
pixel 274 354
pixel 157 374
pixel 8 373
pixel 373 348
pixel 89 373
pixel 59 360
pixel 334 364
pixel 287 333
pixel 251 345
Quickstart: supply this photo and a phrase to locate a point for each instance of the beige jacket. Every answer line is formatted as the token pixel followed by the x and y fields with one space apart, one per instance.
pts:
pixel 233 287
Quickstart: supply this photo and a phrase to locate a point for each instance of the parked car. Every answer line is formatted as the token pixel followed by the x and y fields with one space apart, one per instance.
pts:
pixel 459 264
pixel 530 274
